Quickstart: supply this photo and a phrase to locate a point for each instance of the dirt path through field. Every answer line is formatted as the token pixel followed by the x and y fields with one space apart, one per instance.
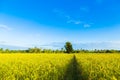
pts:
pixel 73 71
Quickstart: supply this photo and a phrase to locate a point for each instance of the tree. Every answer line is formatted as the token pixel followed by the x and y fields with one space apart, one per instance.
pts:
pixel 1 49
pixel 68 47
pixel 7 50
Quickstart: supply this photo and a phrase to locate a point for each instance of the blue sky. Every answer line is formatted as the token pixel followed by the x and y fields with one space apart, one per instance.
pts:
pixel 31 23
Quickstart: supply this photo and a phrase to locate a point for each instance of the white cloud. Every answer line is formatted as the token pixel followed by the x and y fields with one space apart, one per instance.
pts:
pixel 83 45
pixel 87 25
pixel 4 27
pixel 77 22
pixel 97 45
pixel 68 18
pixel 74 21
pixel 2 42
pixel 14 43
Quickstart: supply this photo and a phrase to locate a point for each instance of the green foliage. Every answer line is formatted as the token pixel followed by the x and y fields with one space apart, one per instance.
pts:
pixel 34 50
pixel 68 47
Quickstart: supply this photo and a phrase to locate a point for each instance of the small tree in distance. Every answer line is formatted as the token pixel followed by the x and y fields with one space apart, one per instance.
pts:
pixel 68 47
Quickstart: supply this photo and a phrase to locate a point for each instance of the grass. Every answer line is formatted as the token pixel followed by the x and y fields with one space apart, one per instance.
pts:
pixel 59 67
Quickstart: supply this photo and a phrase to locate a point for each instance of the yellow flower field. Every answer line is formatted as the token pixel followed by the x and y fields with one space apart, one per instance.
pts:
pixel 59 66
pixel 33 66
pixel 99 66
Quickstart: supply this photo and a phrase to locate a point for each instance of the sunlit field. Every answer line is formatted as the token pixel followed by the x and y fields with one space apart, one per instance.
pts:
pixel 59 66
pixel 33 66
pixel 99 66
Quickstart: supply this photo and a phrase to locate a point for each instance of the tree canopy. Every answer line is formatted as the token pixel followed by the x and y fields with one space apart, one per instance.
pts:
pixel 68 47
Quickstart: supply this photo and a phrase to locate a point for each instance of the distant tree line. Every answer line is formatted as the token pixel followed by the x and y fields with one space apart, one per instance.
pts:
pixel 67 49
pixel 39 50
pixel 32 50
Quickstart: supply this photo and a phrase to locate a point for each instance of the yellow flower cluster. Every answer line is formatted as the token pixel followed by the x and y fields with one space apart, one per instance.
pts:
pixel 99 66
pixel 33 66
